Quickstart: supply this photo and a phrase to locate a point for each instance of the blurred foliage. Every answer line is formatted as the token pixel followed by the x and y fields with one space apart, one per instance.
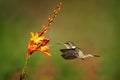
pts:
pixel 91 24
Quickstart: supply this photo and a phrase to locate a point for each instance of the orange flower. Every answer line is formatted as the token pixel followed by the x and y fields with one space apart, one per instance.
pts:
pixel 38 43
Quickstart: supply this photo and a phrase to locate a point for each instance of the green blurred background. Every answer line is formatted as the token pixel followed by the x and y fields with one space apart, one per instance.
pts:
pixel 91 24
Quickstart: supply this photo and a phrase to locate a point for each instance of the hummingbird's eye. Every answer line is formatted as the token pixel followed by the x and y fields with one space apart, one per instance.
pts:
pixel 67 43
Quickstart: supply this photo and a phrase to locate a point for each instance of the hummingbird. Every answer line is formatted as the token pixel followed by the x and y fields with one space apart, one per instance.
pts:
pixel 72 52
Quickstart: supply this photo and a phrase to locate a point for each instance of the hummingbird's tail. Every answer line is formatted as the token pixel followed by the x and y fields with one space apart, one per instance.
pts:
pixel 92 55
pixel 95 55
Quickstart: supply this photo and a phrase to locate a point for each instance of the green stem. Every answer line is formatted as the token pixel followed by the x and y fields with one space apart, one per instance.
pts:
pixel 24 72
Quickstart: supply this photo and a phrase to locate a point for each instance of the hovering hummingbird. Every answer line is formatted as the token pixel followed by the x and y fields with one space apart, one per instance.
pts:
pixel 73 52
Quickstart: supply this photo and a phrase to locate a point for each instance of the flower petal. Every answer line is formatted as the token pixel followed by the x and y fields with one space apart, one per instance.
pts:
pixel 32 35
pixel 47 53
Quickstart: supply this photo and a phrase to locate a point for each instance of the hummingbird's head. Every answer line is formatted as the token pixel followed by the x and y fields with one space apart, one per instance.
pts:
pixel 69 45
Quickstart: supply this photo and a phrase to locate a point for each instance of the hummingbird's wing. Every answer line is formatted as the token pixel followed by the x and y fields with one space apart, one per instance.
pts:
pixel 69 53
